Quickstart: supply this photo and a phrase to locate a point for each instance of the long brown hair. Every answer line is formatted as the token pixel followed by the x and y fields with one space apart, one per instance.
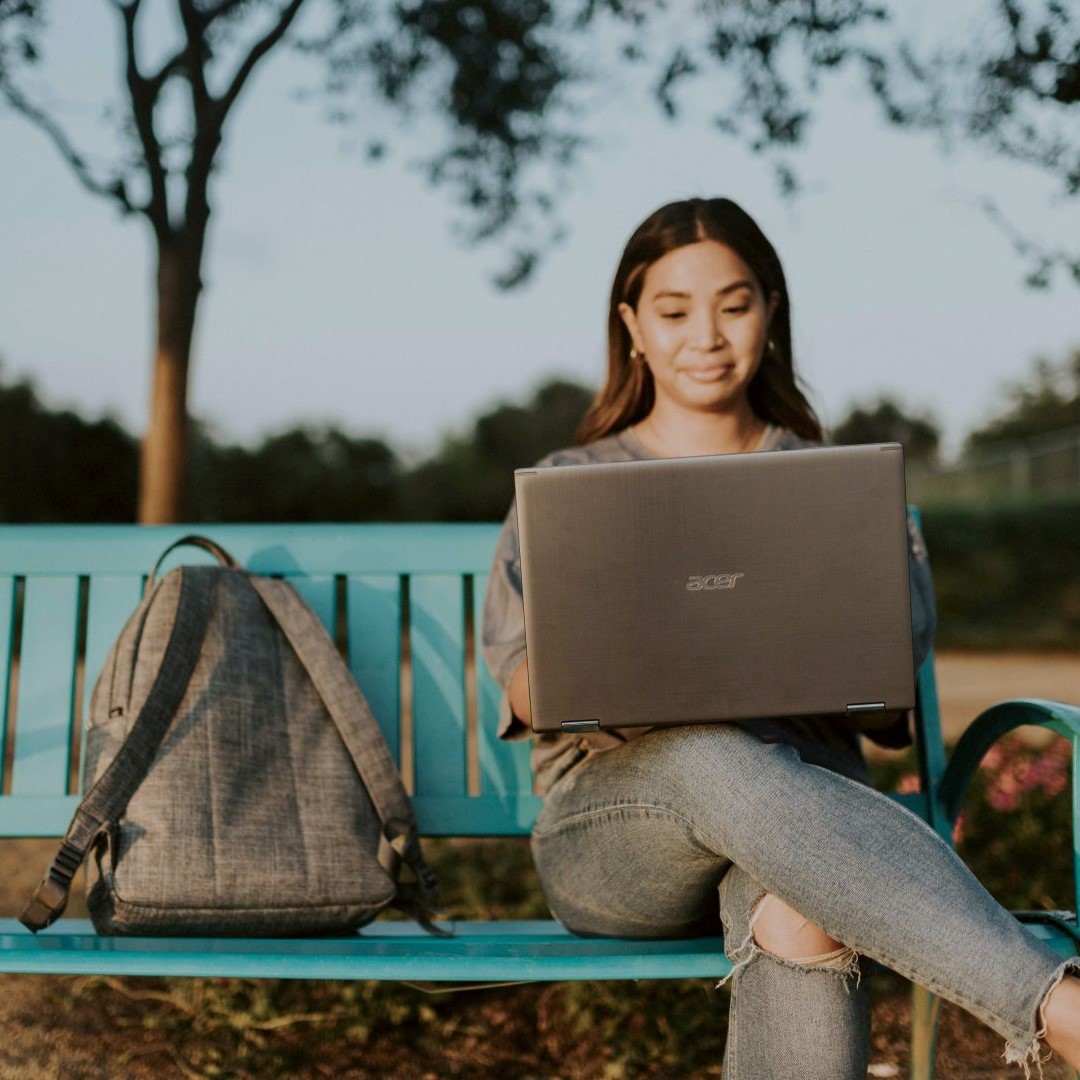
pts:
pixel 629 393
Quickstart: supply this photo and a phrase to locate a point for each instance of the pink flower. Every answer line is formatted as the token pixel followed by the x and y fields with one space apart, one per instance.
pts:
pixel 907 783
pixel 1060 747
pixel 1004 791
pixel 1056 785
pixel 958 827
pixel 1001 800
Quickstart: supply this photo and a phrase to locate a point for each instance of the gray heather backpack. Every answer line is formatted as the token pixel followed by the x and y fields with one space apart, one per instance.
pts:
pixel 240 784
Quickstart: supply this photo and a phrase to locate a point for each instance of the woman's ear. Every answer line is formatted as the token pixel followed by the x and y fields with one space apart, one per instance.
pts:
pixel 629 318
pixel 774 303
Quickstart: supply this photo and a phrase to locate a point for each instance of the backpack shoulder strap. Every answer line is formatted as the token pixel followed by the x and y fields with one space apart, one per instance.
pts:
pixel 364 740
pixel 108 798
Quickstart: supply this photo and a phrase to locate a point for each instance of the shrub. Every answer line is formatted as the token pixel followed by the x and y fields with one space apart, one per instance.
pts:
pixel 1015 827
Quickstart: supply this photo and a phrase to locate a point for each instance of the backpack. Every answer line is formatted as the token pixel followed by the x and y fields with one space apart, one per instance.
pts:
pixel 237 782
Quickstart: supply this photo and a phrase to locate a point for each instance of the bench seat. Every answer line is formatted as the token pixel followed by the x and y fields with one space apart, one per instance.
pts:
pixel 495 950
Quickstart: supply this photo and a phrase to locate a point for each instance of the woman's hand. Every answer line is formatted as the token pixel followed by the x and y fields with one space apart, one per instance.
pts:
pixel 875 721
pixel 518 692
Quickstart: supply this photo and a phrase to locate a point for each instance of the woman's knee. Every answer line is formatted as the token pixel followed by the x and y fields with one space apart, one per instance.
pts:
pixel 781 930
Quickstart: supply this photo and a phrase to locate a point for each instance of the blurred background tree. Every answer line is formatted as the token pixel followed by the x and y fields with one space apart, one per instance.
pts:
pixel 471 477
pixel 303 474
pixel 1048 401
pixel 885 420
pixel 499 79
pixel 58 467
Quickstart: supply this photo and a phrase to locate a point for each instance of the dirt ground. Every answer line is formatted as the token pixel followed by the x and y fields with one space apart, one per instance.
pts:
pixel 60 1028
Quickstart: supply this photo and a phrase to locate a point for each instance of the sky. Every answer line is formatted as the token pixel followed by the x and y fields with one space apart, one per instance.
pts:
pixel 337 293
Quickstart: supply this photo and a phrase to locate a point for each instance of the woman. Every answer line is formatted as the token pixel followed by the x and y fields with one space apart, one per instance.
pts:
pixel 643 830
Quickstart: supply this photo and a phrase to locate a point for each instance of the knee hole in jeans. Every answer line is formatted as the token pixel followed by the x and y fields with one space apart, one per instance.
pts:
pixel 781 931
pixel 840 960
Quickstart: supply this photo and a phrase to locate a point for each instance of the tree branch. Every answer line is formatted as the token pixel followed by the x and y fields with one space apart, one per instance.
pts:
pixel 144 93
pixel 220 10
pixel 173 66
pixel 114 189
pixel 258 51
pixel 207 118
pixel 196 51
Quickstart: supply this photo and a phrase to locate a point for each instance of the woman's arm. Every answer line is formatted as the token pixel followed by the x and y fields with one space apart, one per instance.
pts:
pixel 518 692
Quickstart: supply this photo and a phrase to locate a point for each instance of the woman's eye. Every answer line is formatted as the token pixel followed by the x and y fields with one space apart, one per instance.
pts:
pixel 735 310
pixel 672 314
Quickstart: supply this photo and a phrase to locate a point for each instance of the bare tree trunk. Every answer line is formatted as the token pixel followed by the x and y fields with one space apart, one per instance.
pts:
pixel 163 466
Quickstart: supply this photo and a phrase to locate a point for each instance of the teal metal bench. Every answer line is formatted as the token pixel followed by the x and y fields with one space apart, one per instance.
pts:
pixel 399 598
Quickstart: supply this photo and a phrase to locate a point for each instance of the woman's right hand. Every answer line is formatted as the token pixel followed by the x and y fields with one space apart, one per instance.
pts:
pixel 518 692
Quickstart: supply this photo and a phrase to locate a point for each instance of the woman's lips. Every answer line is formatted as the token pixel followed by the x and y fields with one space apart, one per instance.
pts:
pixel 709 374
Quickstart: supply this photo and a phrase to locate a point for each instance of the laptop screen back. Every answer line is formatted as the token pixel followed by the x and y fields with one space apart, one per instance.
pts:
pixel 692 589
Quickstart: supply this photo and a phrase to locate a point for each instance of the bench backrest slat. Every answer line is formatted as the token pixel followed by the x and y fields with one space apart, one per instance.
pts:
pixel 437 657
pixel 110 601
pixel 373 621
pixel 7 640
pixel 930 744
pixel 504 766
pixel 318 592
pixel 44 704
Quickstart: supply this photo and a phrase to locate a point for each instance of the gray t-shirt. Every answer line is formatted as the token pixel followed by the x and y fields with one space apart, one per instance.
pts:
pixel 822 741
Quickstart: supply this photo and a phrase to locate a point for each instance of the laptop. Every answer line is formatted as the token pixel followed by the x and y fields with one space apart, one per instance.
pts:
pixel 718 587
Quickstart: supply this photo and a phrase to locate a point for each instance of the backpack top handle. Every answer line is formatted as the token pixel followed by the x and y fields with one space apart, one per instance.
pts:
pixel 192 540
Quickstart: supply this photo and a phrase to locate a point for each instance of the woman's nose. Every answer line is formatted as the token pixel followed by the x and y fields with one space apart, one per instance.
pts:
pixel 705 329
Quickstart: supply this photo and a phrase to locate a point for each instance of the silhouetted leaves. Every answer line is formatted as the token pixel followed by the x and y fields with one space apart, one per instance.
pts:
pixel 1048 401
pixel 57 467
pixel 887 421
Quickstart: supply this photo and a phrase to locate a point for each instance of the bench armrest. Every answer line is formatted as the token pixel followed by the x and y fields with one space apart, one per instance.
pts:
pixel 987 728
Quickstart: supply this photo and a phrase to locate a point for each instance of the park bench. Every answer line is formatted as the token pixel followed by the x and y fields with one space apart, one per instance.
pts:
pixel 402 600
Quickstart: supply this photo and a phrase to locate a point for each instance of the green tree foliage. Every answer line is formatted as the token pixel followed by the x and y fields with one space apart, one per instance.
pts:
pixel 1011 86
pixel 56 466
pixel 885 420
pixel 471 478
pixel 304 474
pixel 1048 401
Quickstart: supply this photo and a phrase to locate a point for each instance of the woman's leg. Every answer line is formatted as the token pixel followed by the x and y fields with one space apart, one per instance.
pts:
pixel 794 1015
pixel 631 843
pixel 636 868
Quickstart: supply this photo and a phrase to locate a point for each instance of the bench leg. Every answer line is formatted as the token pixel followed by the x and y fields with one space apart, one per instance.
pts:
pixel 925 1008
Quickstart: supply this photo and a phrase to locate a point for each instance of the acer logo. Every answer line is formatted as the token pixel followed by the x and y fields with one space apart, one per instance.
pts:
pixel 712 581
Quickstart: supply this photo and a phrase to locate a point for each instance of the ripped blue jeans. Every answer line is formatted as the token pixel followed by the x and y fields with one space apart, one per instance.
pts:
pixel 657 837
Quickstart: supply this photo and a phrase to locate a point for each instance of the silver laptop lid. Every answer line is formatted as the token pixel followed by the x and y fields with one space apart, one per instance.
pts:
pixel 717 587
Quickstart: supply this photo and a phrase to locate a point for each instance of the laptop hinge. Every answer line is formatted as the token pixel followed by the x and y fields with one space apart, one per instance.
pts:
pixel 867 706
pixel 580 725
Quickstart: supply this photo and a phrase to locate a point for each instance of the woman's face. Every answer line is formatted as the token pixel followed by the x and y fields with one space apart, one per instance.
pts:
pixel 701 322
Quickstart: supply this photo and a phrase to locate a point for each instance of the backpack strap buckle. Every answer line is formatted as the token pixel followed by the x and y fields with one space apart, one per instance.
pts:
pixel 48 902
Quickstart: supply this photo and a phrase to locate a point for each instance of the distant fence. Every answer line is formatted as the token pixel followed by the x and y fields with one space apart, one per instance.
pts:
pixel 1046 465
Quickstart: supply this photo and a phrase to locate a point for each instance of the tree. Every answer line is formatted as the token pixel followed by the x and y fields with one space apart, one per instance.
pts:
pixel 1013 87
pixel 471 477
pixel 887 421
pixel 494 112
pixel 57 467
pixel 500 76
pixel 304 474
pixel 1049 401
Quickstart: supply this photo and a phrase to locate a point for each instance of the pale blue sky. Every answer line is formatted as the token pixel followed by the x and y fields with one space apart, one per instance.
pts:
pixel 335 292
